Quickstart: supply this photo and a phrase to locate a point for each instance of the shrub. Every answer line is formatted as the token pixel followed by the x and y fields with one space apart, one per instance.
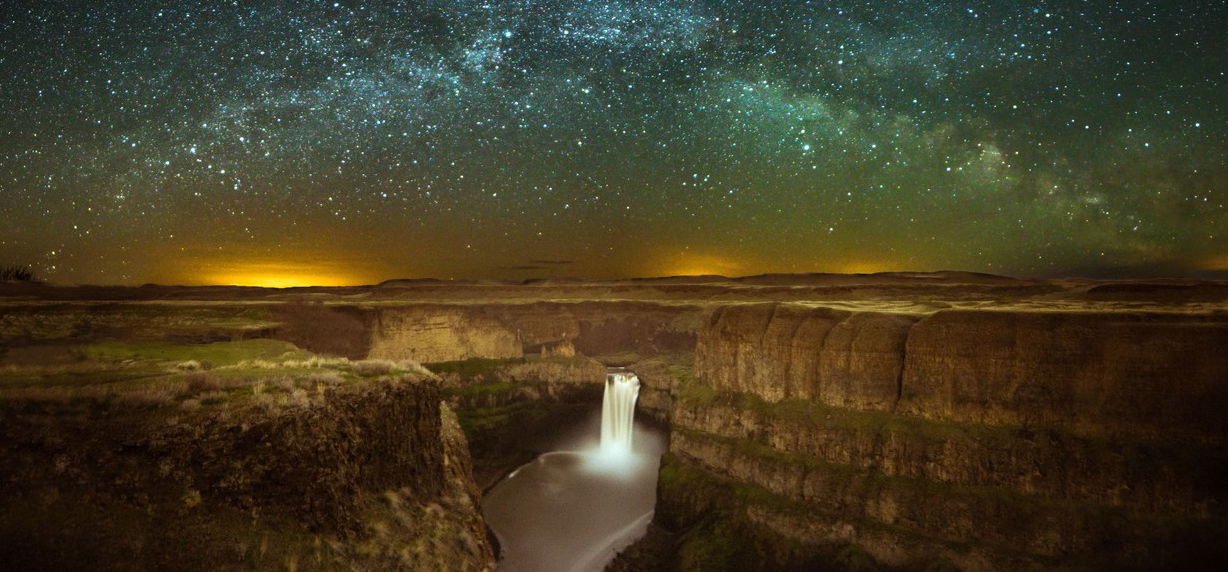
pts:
pixel 324 378
pixel 200 383
pixel 284 381
pixel 299 398
pixel 148 397
pixel 371 367
pixel 16 273
pixel 212 398
pixel 414 368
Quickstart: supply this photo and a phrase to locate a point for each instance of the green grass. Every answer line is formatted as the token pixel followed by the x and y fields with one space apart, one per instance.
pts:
pixel 217 353
pixel 473 367
pixel 143 320
pixel 715 544
pixel 74 377
pixel 620 358
pixel 476 422
pixel 148 376
pixel 691 389
pixel 483 389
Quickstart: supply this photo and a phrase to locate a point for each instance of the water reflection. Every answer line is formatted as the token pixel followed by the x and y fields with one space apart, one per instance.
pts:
pixel 574 510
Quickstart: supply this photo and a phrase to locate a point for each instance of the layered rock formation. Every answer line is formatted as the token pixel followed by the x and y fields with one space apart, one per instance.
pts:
pixel 438 333
pixel 434 334
pixel 987 440
pixel 323 480
pixel 898 420
pixel 507 406
pixel 1104 373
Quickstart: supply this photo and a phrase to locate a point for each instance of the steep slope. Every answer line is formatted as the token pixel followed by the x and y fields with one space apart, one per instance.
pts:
pixel 987 440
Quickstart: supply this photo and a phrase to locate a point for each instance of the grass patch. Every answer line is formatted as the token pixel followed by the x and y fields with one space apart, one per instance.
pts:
pixel 207 355
pixel 478 422
pixel 690 389
pixel 473 367
pixel 482 389
pixel 619 359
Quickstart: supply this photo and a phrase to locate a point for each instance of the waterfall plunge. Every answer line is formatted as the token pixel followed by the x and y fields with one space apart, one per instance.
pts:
pixel 573 510
pixel 618 412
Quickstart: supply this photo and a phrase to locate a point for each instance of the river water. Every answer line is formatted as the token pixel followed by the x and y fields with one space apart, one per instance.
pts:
pixel 572 510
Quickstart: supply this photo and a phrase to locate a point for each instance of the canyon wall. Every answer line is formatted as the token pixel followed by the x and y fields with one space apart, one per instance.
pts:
pixel 984 440
pixel 981 439
pixel 370 474
pixel 623 331
pixel 436 334
pixel 802 436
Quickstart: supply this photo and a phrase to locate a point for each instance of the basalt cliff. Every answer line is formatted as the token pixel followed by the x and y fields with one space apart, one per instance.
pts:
pixel 896 421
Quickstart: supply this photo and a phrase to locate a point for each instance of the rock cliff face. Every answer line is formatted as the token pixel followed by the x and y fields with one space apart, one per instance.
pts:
pixel 323 480
pixel 803 435
pixel 433 334
pixel 437 333
pixel 986 440
pixel 776 351
pixel 1159 375
pixel 506 406
pixel 980 439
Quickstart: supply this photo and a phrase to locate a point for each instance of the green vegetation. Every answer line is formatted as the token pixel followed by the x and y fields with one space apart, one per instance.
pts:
pixel 472 368
pixel 716 536
pixel 1146 458
pixel 479 422
pixel 690 389
pixel 79 323
pixel 1029 514
pixel 180 378
pixel 715 544
pixel 619 359
pixel 210 355
pixel 494 388
pixel 66 532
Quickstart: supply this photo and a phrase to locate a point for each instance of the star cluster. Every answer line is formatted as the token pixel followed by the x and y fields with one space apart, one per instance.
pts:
pixel 204 141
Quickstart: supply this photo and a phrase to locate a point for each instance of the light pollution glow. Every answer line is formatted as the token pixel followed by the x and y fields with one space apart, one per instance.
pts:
pixel 281 275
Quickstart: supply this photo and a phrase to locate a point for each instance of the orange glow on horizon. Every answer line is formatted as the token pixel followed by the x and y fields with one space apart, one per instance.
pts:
pixel 702 265
pixel 1217 262
pixel 279 275
pixel 864 267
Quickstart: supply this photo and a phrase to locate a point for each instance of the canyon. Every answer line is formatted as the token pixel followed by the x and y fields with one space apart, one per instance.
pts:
pixel 889 421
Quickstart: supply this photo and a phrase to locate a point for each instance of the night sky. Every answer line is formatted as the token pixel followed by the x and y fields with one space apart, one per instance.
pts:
pixel 298 142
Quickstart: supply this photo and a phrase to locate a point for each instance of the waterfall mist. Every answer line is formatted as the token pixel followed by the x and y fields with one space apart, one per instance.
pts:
pixel 573 510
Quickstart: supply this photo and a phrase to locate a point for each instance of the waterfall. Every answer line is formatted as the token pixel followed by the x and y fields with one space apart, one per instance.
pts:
pixel 618 411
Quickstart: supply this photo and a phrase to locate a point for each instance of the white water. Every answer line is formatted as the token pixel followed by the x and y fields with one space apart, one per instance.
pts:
pixel 572 510
pixel 618 411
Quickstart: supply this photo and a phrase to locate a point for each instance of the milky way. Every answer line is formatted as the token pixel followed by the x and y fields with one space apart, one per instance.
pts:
pixel 190 141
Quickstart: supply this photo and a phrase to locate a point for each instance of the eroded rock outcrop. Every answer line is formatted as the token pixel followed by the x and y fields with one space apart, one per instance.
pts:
pixel 778 351
pixel 319 481
pixel 436 334
pixel 1106 373
pixel 978 439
